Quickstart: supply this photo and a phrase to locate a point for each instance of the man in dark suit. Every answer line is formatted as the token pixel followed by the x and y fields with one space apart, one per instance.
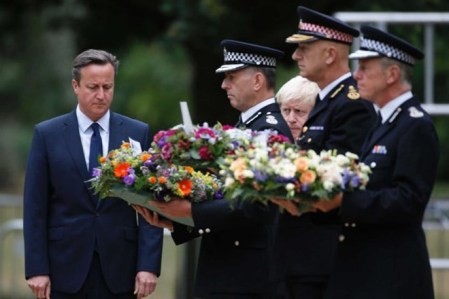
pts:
pixel 236 253
pixel 338 121
pixel 382 251
pixel 75 245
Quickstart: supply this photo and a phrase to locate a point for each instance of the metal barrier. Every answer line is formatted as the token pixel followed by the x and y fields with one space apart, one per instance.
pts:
pixel 176 258
pixel 14 228
pixel 428 20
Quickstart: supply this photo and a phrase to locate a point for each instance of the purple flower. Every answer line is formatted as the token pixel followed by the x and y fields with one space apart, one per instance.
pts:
pixel 96 172
pixel 151 165
pixel 260 176
pixel 355 181
pixel 219 194
pixel 162 142
pixel 345 178
pixel 281 179
pixel 304 187
pixel 129 179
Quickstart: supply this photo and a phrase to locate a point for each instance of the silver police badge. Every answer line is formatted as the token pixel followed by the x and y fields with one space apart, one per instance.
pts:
pixel 271 120
pixel 415 113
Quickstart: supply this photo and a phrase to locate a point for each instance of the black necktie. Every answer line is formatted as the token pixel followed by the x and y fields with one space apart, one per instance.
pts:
pixel 96 147
pixel 240 122
pixel 379 119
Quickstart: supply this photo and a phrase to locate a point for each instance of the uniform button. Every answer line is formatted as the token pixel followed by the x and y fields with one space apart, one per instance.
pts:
pixel 373 164
pixel 341 238
pixel 304 129
pixel 346 224
pixel 236 243
pixel 353 224
pixel 200 231
pixel 309 140
pixel 207 230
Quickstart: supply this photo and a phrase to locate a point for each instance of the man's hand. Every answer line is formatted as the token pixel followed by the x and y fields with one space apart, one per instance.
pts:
pixel 175 208
pixel 40 285
pixel 326 205
pixel 290 205
pixel 145 284
pixel 153 218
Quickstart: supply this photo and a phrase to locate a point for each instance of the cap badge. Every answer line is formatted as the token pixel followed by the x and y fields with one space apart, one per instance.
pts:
pixel 415 113
pixel 271 120
pixel 353 94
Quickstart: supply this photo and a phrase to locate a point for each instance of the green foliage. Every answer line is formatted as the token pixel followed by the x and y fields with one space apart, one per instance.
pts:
pixel 152 80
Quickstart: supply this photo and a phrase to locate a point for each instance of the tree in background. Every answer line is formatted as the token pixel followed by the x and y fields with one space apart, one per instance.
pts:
pixel 169 51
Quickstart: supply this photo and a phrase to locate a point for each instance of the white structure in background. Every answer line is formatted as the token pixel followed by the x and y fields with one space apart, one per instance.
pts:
pixel 428 21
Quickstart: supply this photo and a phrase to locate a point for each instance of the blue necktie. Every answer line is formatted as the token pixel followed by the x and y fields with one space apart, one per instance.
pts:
pixel 96 147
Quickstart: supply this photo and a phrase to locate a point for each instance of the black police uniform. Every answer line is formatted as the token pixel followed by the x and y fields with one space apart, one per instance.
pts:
pixel 236 253
pixel 306 245
pixel 382 251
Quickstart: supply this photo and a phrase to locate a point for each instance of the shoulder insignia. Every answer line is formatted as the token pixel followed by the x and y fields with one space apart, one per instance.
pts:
pixel 415 113
pixel 271 120
pixel 337 91
pixel 353 94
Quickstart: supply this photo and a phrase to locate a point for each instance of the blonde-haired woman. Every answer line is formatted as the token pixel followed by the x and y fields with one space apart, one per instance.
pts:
pixel 296 99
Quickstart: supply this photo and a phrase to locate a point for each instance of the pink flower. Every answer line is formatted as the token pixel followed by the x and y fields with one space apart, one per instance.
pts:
pixel 204 153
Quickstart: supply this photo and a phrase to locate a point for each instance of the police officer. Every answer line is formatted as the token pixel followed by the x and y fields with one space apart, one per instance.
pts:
pixel 236 252
pixel 382 251
pixel 339 120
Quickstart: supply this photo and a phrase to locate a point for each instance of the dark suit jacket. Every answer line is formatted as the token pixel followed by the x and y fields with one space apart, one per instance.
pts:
pixel 236 253
pixel 62 223
pixel 382 251
pixel 306 244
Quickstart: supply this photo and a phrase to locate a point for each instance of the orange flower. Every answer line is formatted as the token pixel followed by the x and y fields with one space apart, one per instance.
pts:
pixel 121 169
pixel 125 145
pixel 302 164
pixel 145 156
pixel 152 180
pixel 307 177
pixel 102 159
pixel 162 180
pixel 185 187
pixel 189 169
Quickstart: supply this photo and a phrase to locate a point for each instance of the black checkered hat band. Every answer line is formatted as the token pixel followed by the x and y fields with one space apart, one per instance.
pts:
pixel 386 50
pixel 248 58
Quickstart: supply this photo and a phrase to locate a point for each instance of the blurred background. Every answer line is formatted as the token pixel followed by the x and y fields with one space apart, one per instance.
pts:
pixel 169 50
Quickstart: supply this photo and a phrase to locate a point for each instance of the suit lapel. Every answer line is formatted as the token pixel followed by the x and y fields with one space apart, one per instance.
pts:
pixel 376 135
pixel 263 111
pixel 117 132
pixel 386 127
pixel 73 142
pixel 320 105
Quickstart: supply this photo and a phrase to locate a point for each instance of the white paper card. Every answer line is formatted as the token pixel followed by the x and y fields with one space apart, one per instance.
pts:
pixel 135 146
pixel 186 120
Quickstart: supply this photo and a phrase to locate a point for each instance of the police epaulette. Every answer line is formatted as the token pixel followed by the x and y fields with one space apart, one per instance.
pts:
pixel 337 91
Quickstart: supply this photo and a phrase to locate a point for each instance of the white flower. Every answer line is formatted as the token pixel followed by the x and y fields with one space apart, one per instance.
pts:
pixel 352 156
pixel 342 160
pixel 248 173
pixel 289 187
pixel 328 185
pixel 228 182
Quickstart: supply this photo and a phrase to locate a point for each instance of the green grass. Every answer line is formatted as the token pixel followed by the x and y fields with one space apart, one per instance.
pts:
pixel 13 285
